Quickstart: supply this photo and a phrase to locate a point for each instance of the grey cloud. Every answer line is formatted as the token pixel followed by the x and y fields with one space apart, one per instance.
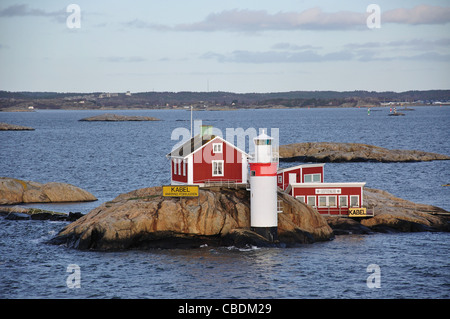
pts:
pixel 294 47
pixel 260 20
pixel 416 44
pixel 242 56
pixel 310 56
pixel 118 59
pixel 137 23
pixel 421 14
pixel 238 20
pixel 22 10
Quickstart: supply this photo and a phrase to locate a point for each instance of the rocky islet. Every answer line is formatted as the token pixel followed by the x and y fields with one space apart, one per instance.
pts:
pixel 352 152
pixel 16 191
pixel 144 219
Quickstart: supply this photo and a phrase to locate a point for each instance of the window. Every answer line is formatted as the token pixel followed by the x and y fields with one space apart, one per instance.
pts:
pixel 312 178
pixel 263 142
pixel 327 201
pixel 312 201
pixel 184 168
pixel 322 201
pixel 280 179
pixel 217 147
pixel 354 200
pixel 217 167
pixel 300 198
pixel 175 167
pixel 332 201
pixel 343 201
pixel 179 167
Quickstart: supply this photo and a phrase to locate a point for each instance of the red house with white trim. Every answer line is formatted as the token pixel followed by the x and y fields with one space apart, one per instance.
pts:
pixel 205 159
pixel 306 183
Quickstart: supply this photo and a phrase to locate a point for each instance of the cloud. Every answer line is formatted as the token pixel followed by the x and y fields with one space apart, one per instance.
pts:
pixel 261 20
pixel 414 44
pixel 243 56
pixel 140 24
pixel 368 52
pixel 119 59
pixel 244 20
pixel 293 47
pixel 421 14
pixel 23 10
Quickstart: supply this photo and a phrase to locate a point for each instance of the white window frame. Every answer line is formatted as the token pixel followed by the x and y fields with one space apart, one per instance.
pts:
pixel 220 163
pixel 335 201
pixel 327 201
pixel 315 201
pixel 322 197
pixel 217 148
pixel 280 179
pixel 312 178
pixel 184 167
pixel 346 200
pixel 301 198
pixel 357 205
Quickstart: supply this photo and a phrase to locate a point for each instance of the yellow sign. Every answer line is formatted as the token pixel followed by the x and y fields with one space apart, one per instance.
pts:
pixel 180 191
pixel 357 212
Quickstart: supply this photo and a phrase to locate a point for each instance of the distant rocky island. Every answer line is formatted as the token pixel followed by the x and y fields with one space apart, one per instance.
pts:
pixel 118 118
pixel 351 152
pixel 12 127
pixel 16 191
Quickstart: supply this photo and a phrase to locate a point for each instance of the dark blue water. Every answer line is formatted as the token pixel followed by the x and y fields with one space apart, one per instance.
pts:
pixel 109 158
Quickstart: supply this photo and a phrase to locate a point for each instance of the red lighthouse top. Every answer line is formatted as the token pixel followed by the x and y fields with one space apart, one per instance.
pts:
pixel 263 163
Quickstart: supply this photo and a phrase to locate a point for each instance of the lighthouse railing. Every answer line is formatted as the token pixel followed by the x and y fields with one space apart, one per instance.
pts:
pixel 229 183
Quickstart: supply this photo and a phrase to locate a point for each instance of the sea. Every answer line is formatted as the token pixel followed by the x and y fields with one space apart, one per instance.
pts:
pixel 110 158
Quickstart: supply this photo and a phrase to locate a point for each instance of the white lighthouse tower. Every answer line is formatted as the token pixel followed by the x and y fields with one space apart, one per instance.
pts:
pixel 263 189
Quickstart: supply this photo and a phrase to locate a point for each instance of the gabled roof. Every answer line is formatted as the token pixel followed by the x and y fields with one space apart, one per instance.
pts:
pixel 196 143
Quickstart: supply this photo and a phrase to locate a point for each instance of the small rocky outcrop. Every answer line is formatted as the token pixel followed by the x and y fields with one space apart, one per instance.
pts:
pixel 16 191
pixel 12 127
pixel 399 214
pixel 392 214
pixel 26 213
pixel 117 118
pixel 219 216
pixel 351 152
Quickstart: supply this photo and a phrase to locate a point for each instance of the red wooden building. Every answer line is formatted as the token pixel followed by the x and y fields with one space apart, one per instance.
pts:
pixel 208 159
pixel 306 183
pixel 305 173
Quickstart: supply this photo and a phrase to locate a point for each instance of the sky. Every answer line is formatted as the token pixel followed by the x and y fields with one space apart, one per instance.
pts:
pixel 216 45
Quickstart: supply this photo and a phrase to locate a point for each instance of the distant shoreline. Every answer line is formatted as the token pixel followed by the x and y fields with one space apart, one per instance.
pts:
pixel 222 108
pixel 219 100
